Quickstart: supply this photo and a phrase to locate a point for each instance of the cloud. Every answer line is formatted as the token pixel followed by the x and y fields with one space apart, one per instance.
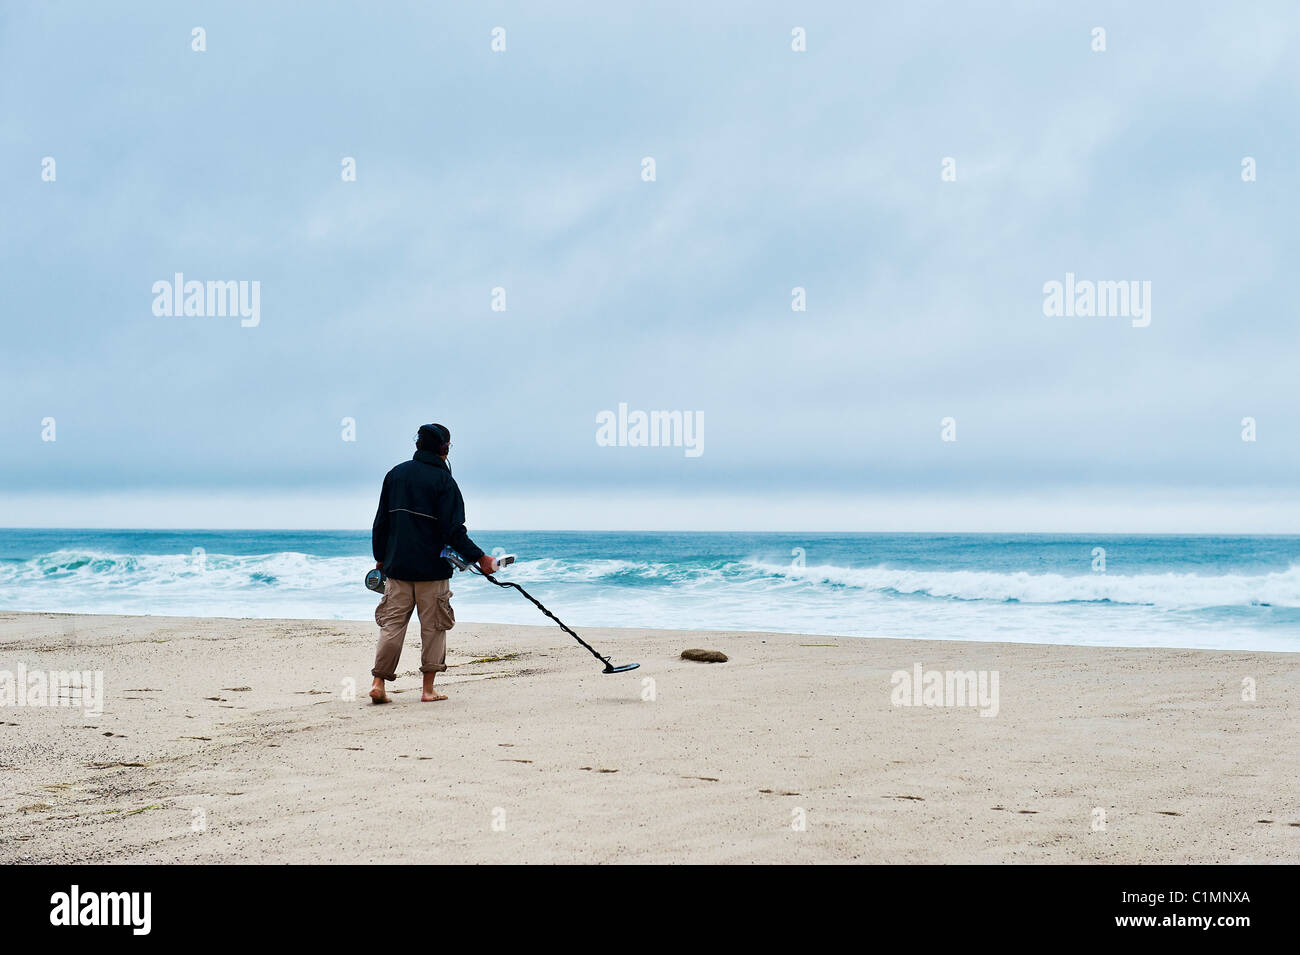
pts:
pixel 775 170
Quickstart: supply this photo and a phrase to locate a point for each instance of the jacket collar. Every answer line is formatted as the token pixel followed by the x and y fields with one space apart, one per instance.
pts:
pixel 428 457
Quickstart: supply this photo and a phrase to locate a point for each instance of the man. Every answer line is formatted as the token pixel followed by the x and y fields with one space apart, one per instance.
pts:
pixel 420 512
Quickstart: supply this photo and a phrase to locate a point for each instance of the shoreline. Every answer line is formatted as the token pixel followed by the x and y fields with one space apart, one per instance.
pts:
pixel 1095 754
pixel 584 628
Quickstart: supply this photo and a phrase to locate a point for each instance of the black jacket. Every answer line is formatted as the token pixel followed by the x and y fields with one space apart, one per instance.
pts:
pixel 420 512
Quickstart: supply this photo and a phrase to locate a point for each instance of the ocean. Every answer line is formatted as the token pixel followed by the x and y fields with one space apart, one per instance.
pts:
pixel 1239 593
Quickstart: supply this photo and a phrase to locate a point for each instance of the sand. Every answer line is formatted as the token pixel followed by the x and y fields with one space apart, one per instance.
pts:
pixel 236 741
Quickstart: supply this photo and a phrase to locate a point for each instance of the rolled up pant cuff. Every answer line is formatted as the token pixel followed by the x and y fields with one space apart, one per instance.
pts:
pixel 433 668
pixel 390 677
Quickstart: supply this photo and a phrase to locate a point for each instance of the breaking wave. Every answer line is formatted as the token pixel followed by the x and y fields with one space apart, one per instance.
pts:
pixel 94 576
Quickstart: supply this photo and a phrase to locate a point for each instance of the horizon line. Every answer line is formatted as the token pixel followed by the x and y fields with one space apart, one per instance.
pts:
pixel 583 530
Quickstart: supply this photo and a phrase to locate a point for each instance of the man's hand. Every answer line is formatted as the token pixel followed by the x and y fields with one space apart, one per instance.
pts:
pixel 488 564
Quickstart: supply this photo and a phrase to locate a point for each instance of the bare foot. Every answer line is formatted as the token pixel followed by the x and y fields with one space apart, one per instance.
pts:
pixel 377 695
pixel 430 695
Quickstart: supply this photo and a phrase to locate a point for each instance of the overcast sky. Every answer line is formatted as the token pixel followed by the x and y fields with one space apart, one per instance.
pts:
pixel 774 169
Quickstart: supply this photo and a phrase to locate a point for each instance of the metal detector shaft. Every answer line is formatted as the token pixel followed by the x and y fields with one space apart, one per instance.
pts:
pixel 538 604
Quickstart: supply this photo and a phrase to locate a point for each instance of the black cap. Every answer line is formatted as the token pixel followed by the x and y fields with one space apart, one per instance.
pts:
pixel 437 436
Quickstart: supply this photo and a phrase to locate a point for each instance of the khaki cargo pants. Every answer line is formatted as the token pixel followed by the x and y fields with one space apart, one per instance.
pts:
pixel 433 600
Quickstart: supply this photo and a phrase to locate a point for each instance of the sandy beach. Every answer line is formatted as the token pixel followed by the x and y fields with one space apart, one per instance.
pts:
pixel 239 741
